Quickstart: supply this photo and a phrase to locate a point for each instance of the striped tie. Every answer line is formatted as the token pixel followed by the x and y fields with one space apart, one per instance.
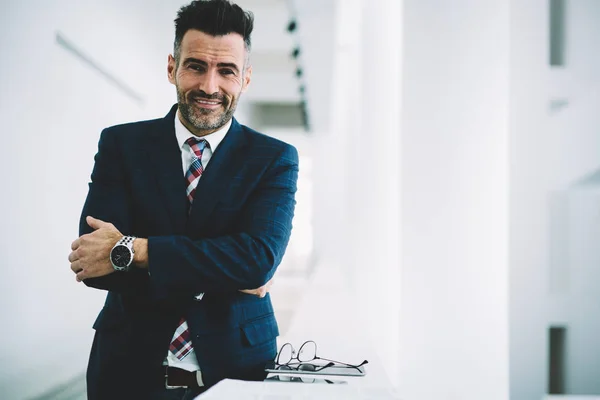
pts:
pixel 195 171
pixel 181 345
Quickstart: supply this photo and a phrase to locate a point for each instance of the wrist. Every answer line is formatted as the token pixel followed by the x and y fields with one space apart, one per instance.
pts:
pixel 140 253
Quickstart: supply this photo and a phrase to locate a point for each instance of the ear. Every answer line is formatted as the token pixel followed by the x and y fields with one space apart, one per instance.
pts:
pixel 171 69
pixel 247 78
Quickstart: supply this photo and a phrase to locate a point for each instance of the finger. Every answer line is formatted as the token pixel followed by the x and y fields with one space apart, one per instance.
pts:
pixel 76 266
pixel 96 223
pixel 80 276
pixel 76 243
pixel 73 256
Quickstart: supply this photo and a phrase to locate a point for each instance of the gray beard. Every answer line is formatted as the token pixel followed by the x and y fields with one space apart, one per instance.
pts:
pixel 200 119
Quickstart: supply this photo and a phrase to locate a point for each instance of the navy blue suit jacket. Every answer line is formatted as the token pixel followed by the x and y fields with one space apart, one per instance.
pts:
pixel 234 238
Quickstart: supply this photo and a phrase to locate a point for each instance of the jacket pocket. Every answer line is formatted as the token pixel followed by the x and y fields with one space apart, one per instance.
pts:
pixel 260 330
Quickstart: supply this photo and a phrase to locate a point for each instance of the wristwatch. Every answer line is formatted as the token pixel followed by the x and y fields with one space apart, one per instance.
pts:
pixel 121 255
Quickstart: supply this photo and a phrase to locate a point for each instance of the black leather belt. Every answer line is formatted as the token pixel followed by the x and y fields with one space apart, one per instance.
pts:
pixel 177 377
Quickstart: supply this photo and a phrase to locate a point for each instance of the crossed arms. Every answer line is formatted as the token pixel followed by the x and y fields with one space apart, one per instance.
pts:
pixel 176 265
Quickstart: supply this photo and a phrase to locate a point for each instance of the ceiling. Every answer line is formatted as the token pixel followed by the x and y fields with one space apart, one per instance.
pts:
pixel 274 78
pixel 275 69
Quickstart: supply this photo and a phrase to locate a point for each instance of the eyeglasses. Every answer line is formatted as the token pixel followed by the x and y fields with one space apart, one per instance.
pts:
pixel 307 353
pixel 303 379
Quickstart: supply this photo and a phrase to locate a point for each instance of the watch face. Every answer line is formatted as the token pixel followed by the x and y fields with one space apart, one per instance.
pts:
pixel 120 257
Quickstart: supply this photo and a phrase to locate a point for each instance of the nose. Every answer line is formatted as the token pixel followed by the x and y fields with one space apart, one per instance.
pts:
pixel 209 84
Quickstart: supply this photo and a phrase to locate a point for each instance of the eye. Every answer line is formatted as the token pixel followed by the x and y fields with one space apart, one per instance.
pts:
pixel 227 72
pixel 197 67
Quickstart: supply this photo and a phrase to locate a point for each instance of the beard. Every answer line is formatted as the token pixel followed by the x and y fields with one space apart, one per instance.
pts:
pixel 203 119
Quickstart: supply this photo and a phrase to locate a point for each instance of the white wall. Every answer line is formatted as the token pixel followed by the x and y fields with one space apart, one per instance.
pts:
pixel 528 342
pixel 553 203
pixel 356 176
pixel 374 180
pixel 53 108
pixel 483 159
pixel 455 164
pixel 448 267
pixel 577 307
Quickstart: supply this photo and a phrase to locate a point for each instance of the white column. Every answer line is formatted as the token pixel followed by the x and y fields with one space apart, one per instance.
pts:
pixel 359 172
pixel 455 163
pixel 374 180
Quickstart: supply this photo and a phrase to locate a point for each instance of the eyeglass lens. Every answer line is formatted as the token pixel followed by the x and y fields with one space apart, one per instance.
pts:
pixel 308 351
pixel 285 354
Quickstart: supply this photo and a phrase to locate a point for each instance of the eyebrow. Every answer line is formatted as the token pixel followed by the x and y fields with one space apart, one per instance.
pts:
pixel 204 63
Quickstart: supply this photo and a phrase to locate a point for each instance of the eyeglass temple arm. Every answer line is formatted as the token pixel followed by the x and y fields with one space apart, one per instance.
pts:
pixel 339 362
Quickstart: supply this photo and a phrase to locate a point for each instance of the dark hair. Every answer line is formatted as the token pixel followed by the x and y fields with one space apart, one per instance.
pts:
pixel 213 17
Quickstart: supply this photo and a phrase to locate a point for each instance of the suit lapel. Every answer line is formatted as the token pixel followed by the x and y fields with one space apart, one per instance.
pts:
pixel 164 162
pixel 225 162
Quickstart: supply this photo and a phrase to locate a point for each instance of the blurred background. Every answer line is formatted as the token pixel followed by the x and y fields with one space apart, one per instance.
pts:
pixel 448 214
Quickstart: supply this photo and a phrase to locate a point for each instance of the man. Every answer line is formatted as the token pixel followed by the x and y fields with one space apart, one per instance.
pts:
pixel 186 220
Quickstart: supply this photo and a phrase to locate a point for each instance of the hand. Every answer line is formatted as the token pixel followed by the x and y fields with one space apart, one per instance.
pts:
pixel 90 256
pixel 261 291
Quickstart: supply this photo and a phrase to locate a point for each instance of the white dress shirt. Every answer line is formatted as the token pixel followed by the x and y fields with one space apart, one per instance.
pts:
pixel 190 363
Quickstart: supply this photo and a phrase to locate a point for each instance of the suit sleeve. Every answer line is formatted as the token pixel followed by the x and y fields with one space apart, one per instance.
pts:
pixel 108 200
pixel 245 260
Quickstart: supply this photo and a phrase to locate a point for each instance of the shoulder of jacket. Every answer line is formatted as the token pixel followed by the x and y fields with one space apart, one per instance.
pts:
pixel 260 139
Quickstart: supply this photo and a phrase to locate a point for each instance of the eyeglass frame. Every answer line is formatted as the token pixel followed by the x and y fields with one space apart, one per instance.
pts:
pixel 331 363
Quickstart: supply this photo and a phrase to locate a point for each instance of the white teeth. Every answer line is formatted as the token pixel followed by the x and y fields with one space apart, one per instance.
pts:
pixel 213 103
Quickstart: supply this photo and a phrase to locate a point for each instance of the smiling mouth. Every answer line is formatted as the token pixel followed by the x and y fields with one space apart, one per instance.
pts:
pixel 207 103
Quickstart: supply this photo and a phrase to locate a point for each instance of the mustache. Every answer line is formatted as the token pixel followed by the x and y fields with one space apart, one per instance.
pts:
pixel 203 95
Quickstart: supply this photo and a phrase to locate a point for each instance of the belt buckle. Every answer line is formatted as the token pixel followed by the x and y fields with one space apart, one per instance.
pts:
pixel 167 386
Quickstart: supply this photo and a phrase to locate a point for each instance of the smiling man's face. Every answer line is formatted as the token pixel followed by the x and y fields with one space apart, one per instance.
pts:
pixel 210 76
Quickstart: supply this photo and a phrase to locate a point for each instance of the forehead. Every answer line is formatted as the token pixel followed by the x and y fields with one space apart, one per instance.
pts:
pixel 197 44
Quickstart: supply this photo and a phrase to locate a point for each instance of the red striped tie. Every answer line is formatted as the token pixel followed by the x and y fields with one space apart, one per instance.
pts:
pixel 181 343
pixel 195 171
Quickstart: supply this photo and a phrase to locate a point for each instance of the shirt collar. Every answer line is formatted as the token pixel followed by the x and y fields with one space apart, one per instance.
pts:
pixel 213 139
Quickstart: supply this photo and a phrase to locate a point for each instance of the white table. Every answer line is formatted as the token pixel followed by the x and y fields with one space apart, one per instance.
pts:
pixel 241 390
pixel 373 386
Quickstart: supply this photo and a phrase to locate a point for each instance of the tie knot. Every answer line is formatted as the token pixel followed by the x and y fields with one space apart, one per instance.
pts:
pixel 197 145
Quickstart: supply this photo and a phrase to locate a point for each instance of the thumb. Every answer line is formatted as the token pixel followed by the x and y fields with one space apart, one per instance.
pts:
pixel 95 223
